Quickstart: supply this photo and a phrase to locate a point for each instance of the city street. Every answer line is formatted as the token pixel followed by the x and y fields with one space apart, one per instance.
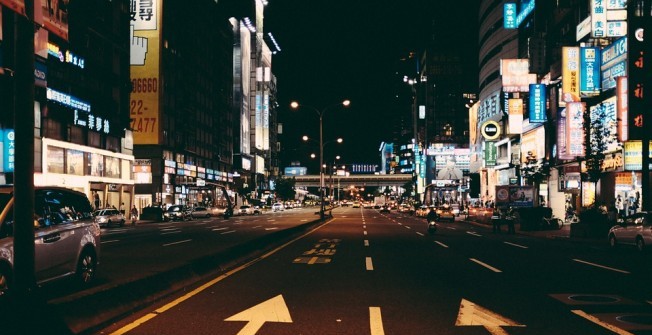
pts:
pixel 367 273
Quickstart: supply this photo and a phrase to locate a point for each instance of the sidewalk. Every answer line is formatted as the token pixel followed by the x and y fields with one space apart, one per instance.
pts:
pixel 563 233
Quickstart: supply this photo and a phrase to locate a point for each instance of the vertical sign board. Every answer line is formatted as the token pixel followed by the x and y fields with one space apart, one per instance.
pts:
pixel 490 154
pixel 598 18
pixel 537 103
pixel 562 146
pixel 509 16
pixel 589 71
pixel 606 112
pixel 570 74
pixel 515 108
pixel 8 150
pixel 144 58
pixel 639 116
pixel 575 129
pixel 621 108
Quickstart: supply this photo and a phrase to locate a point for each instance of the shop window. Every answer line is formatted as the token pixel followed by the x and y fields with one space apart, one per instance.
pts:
pixel 55 159
pixel 94 139
pixel 112 167
pixel 74 162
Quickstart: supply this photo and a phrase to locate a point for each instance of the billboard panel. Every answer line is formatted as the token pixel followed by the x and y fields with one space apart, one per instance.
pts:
pixel 575 129
pixel 570 74
pixel 589 71
pixel 538 103
pixel 145 37
pixel 516 76
pixel 614 63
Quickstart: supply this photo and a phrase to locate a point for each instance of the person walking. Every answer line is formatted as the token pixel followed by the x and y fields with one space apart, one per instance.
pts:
pixel 134 215
pixel 496 217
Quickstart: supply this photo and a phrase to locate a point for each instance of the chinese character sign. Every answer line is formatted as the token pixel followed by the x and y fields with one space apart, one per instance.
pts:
pixel 8 150
pixel 537 103
pixel 571 74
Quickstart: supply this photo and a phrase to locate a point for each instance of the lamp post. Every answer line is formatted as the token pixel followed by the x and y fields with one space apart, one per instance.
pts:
pixel 320 112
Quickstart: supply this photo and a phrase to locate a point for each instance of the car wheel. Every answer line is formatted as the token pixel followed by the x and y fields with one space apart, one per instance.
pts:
pixel 86 267
pixel 640 244
pixel 5 279
pixel 612 241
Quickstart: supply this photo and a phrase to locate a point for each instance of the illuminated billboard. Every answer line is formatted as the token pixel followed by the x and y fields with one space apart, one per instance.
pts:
pixel 145 58
pixel 575 129
pixel 570 74
pixel 589 71
pixel 516 75
pixel 537 103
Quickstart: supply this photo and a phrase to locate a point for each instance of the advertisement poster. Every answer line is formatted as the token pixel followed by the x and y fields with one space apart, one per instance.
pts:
pixel 514 196
pixel 571 74
pixel 75 162
pixel 55 159
pixel 145 37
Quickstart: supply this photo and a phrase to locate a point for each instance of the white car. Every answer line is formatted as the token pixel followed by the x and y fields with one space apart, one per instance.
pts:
pixel 635 229
pixel 248 210
pixel 200 212
pixel 278 207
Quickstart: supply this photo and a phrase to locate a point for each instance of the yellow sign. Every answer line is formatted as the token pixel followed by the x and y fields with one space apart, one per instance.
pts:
pixel 145 60
pixel 490 130
pixel 570 83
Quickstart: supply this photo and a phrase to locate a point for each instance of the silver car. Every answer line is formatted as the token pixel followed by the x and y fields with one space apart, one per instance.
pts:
pixel 66 238
pixel 109 216
pixel 635 229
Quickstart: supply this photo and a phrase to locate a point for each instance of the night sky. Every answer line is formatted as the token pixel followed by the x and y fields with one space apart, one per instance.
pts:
pixel 349 49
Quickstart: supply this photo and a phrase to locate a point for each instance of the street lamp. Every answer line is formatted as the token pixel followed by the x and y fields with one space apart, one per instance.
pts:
pixel 320 112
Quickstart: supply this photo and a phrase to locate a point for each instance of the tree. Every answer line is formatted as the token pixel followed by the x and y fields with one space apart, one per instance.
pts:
pixel 409 187
pixel 599 136
pixel 285 188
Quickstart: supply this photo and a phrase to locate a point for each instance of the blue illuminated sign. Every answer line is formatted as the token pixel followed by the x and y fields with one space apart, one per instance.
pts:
pixel 537 103
pixel 589 71
pixel 509 16
pixel 8 150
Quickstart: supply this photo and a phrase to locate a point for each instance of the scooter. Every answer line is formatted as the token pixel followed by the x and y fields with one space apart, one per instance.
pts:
pixel 432 227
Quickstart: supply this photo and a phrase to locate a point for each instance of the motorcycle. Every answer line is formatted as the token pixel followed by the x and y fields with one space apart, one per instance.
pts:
pixel 432 227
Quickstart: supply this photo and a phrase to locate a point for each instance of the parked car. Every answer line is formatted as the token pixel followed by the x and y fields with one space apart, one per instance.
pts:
pixel 177 213
pixel 109 216
pixel 278 207
pixel 445 213
pixel 66 237
pixel 200 212
pixel 635 230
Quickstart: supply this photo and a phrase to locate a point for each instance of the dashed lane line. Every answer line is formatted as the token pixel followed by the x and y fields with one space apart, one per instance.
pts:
pixel 177 242
pixel 376 321
pixel 485 265
pixel 366 243
pixel 601 323
pixel 516 245
pixel 601 266
pixel 441 244
pixel 473 233
pixel 369 264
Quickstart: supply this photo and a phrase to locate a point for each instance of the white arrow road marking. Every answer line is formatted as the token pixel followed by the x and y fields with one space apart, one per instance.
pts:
pixel 471 314
pixel 272 310
pixel 600 266
pixel 485 265
pixel 376 321
pixel 601 323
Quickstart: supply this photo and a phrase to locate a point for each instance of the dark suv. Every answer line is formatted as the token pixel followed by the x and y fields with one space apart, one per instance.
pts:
pixel 177 213
pixel 66 238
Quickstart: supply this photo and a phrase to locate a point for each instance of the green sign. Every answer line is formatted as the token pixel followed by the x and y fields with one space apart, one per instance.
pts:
pixel 490 154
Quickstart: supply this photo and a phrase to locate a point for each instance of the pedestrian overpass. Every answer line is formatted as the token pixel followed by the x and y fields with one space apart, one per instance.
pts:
pixel 359 180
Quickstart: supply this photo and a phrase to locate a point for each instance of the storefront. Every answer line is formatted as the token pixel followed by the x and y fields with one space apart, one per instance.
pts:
pixel 104 176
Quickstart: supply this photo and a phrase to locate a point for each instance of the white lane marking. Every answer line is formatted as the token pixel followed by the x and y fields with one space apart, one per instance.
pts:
pixel 400 223
pixel 516 245
pixel 221 228
pixel 201 223
pixel 271 220
pixel 420 233
pixel 603 324
pixel 178 242
pixel 376 321
pixel 366 243
pixel 441 244
pixel 110 241
pixel 408 227
pixel 473 233
pixel 113 231
pixel 228 232
pixel 168 229
pixel 365 232
pixel 171 232
pixel 601 266
pixel 451 228
pixel 256 227
pixel 304 220
pixel 485 265
pixel 369 264
pixel 364 226
pixel 273 228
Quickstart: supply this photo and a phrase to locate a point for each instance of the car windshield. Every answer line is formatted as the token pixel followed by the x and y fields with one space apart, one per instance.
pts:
pixel 244 207
pixel 174 209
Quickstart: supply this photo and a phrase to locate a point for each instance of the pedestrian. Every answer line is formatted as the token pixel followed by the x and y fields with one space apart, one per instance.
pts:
pixel 134 215
pixel 619 205
pixel 495 220
pixel 96 199
pixel 509 217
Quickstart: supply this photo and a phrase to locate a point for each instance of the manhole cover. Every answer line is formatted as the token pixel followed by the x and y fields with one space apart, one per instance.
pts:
pixel 593 298
pixel 637 319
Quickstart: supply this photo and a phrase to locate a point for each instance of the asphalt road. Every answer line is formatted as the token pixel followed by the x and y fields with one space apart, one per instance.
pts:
pixel 369 273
